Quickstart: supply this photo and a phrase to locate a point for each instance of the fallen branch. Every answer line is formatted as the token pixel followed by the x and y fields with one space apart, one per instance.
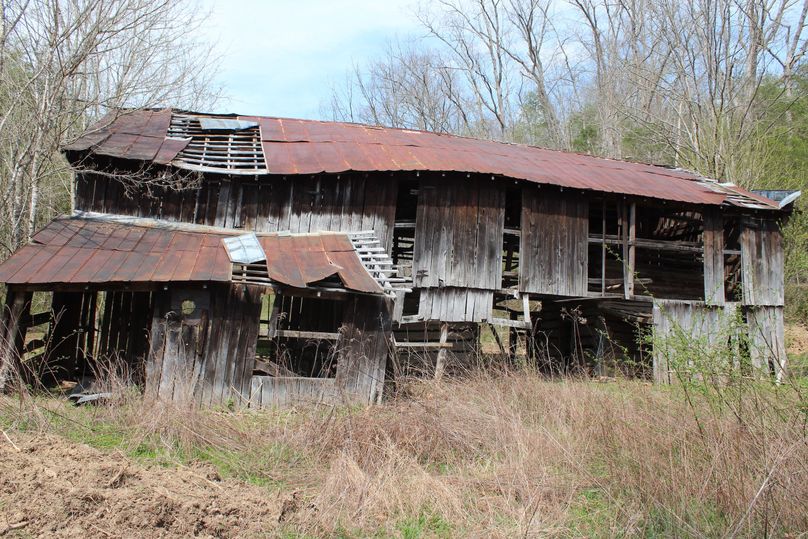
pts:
pixel 11 527
pixel 11 442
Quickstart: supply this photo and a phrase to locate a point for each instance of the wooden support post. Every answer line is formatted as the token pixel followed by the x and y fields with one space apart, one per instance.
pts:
pixel 600 351
pixel 440 364
pixel 13 326
pixel 529 331
pixel 603 252
pixel 497 339
pixel 526 307
pixel 629 248
pixel 272 327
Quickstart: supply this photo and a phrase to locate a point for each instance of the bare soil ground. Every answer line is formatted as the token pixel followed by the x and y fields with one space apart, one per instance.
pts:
pixel 52 487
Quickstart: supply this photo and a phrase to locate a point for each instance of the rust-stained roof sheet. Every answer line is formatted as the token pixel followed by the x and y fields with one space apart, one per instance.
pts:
pixel 297 260
pixel 138 135
pixel 80 251
pixel 309 147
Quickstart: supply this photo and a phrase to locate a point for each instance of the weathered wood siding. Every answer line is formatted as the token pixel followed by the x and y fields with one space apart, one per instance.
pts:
pixel 762 262
pixel 458 233
pixel 767 346
pixel 363 348
pixel 682 324
pixel 275 391
pixel 124 329
pixel 13 326
pixel 207 354
pixel 350 202
pixel 554 246
pixel 455 304
pixel 713 257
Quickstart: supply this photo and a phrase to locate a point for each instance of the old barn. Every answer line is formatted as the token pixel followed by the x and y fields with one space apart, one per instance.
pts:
pixel 266 260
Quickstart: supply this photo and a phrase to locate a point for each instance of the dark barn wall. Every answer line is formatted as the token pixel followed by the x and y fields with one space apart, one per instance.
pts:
pixel 348 202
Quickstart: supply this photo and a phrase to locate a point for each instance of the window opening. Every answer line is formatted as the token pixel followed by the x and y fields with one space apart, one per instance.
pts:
pixel 298 336
pixel 511 237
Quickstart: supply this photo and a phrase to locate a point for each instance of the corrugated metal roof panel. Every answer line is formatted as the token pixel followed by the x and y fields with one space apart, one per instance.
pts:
pixel 82 251
pixel 298 260
pixel 311 147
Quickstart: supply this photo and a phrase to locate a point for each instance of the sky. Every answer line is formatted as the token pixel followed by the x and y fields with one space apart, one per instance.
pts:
pixel 282 57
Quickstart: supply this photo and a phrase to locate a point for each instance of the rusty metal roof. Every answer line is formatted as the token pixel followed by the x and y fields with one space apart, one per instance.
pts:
pixel 80 251
pixel 310 147
pixel 298 260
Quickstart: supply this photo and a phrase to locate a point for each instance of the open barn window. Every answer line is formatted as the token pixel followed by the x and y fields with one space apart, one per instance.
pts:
pixel 638 249
pixel 298 336
pixel 605 271
pixel 669 260
pixel 404 238
pixel 732 259
pixel 404 227
pixel 511 236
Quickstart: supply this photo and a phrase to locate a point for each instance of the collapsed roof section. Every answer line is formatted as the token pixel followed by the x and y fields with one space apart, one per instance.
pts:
pixel 262 145
pixel 92 250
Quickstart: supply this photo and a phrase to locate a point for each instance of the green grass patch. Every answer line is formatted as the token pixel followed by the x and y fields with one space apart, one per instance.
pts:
pixel 424 525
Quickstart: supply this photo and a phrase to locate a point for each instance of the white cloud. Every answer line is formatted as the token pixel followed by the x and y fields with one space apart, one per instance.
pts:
pixel 279 57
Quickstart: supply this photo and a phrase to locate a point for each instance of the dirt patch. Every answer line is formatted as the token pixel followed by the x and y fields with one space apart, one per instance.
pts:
pixel 51 487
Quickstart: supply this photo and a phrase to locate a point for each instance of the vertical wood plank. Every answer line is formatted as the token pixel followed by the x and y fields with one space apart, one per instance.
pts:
pixel 12 333
pixel 713 241
pixel 440 364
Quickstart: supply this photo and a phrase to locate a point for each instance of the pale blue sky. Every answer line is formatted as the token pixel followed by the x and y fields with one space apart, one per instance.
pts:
pixel 280 57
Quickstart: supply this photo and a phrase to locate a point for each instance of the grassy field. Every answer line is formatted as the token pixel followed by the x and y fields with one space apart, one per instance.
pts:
pixel 500 454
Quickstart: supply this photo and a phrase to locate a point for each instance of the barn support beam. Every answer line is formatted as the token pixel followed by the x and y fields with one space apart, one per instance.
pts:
pixel 440 364
pixel 13 327
pixel 629 231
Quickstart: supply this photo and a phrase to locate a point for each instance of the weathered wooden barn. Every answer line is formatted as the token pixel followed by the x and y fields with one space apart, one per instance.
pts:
pixel 266 260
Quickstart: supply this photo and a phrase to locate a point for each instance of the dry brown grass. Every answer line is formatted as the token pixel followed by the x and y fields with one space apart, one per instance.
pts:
pixel 494 455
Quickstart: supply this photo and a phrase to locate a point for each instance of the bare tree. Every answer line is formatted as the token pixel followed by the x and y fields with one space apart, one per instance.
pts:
pixel 532 20
pixel 714 55
pixel 474 33
pixel 409 88
pixel 64 63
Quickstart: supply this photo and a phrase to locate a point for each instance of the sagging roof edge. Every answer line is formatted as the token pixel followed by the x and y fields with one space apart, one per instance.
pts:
pixel 302 147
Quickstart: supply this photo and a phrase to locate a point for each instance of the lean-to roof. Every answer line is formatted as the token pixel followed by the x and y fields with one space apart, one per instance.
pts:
pixel 83 250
